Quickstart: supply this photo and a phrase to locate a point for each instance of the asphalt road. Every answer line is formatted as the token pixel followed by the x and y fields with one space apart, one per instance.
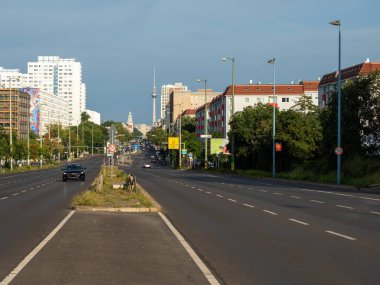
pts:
pixel 31 205
pixel 263 231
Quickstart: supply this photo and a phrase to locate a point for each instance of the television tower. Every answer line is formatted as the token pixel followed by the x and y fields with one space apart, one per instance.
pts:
pixel 154 95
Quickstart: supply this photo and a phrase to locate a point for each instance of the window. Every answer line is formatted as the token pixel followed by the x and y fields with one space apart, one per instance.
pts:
pixel 285 99
pixel 246 100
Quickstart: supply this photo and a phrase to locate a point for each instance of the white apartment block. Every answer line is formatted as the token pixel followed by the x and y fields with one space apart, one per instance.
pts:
pixel 94 116
pixel 12 78
pixel 61 77
pixel 165 92
pixel 220 108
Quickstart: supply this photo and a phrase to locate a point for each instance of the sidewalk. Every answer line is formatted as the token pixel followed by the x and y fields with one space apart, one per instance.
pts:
pixel 112 248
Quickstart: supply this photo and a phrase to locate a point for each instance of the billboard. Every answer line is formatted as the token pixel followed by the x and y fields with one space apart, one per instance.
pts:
pixel 35 104
pixel 218 145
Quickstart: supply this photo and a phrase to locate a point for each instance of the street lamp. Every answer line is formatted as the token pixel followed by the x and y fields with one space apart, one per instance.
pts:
pixel 10 123
pixel 338 23
pixel 273 61
pixel 205 119
pixel 233 110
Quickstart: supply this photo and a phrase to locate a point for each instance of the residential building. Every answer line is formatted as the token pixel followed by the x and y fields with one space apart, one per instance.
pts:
pixel 329 81
pixel 46 110
pixel 165 92
pixel 94 116
pixel 14 111
pixel 186 113
pixel 220 108
pixel 18 79
pixel 180 100
pixel 60 77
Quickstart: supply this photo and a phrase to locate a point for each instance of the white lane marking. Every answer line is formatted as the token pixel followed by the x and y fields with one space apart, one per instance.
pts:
pixel 239 186
pixel 231 185
pixel 316 201
pixel 207 192
pixel 15 194
pixel 269 212
pixel 4 198
pixel 220 196
pixel 346 207
pixel 186 185
pixel 31 188
pixel 265 191
pixel 340 235
pixel 199 189
pixel 192 187
pixel 373 212
pixel 250 206
pixel 295 197
pixel 372 199
pixel 38 186
pixel 207 273
pixel 278 194
pixel 23 191
pixel 35 251
pixel 232 200
pixel 299 222
pixel 251 188
pixel 222 183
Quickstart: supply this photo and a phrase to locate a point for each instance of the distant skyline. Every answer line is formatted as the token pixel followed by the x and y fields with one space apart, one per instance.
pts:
pixel 119 42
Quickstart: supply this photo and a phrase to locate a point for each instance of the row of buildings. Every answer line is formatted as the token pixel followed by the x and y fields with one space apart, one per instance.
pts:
pixel 177 101
pixel 51 92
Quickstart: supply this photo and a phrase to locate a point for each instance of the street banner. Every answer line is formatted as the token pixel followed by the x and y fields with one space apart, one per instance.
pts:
pixel 173 143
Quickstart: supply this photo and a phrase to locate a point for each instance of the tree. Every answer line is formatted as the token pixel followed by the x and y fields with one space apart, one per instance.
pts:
pixel 188 124
pixel 156 136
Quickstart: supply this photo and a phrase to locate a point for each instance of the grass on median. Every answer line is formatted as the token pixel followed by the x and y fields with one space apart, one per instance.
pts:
pixel 113 198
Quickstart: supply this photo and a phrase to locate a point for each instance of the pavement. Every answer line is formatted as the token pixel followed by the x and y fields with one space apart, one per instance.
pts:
pixel 112 248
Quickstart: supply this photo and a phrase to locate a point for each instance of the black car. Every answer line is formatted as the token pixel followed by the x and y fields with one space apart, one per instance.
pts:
pixel 73 171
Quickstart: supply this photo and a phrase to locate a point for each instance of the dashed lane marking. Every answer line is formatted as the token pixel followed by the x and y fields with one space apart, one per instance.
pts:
pixel 15 194
pixel 346 207
pixel 299 222
pixel 270 212
pixel 341 235
pixel 208 192
pixel 373 212
pixel 199 189
pixel 279 194
pixel 295 197
pixel 250 206
pixel 4 198
pixel 220 196
pixel 264 191
pixel 232 200
pixel 316 201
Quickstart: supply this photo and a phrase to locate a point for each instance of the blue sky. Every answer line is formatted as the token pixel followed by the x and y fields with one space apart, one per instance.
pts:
pixel 119 42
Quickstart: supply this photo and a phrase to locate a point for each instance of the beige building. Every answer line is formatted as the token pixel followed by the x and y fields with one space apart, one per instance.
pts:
pixel 180 100
pixel 20 106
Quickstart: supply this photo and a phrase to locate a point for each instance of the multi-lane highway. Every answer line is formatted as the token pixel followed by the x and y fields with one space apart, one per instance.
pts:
pixel 256 231
pixel 31 205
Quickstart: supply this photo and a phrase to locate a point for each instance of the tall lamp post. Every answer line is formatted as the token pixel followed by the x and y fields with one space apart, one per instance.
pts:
pixel 233 110
pixel 338 23
pixel 205 119
pixel 10 123
pixel 273 61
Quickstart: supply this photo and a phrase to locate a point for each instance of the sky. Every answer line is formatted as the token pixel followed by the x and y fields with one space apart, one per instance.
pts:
pixel 119 42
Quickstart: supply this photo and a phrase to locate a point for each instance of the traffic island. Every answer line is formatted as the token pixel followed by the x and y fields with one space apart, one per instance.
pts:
pixel 109 193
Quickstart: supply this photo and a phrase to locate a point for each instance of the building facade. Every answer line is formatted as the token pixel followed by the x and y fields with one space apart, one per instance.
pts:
pixel 61 77
pixel 94 116
pixel 14 111
pixel 220 108
pixel 12 78
pixel 165 92
pixel 329 81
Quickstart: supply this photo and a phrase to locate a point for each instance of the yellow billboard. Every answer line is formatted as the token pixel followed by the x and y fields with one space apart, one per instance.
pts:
pixel 173 142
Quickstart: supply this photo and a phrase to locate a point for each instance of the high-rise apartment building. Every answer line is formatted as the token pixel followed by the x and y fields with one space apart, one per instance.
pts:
pixel 61 77
pixel 18 79
pixel 94 116
pixel 165 92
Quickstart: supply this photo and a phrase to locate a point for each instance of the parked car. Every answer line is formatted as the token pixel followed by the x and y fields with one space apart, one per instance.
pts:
pixel 73 171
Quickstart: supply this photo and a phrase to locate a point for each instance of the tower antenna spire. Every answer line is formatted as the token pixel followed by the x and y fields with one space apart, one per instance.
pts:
pixel 154 95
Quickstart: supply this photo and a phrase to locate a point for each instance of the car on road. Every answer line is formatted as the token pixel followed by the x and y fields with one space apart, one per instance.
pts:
pixel 147 165
pixel 73 171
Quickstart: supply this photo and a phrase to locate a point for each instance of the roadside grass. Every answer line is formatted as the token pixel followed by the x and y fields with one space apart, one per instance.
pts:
pixel 109 197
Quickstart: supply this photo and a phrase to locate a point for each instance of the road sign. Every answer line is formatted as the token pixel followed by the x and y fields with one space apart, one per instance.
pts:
pixel 190 154
pixel 112 148
pixel 184 151
pixel 338 150
pixel 206 136
pixel 278 147
pixel 173 142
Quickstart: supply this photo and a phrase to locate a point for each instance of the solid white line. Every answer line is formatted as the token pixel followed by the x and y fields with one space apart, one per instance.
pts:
pixel 220 196
pixel 232 200
pixel 373 212
pixel 207 273
pixel 299 222
pixel 250 206
pixel 35 251
pixel 316 201
pixel 340 235
pixel 269 212
pixel 346 207
pixel 295 197
pixel 4 198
